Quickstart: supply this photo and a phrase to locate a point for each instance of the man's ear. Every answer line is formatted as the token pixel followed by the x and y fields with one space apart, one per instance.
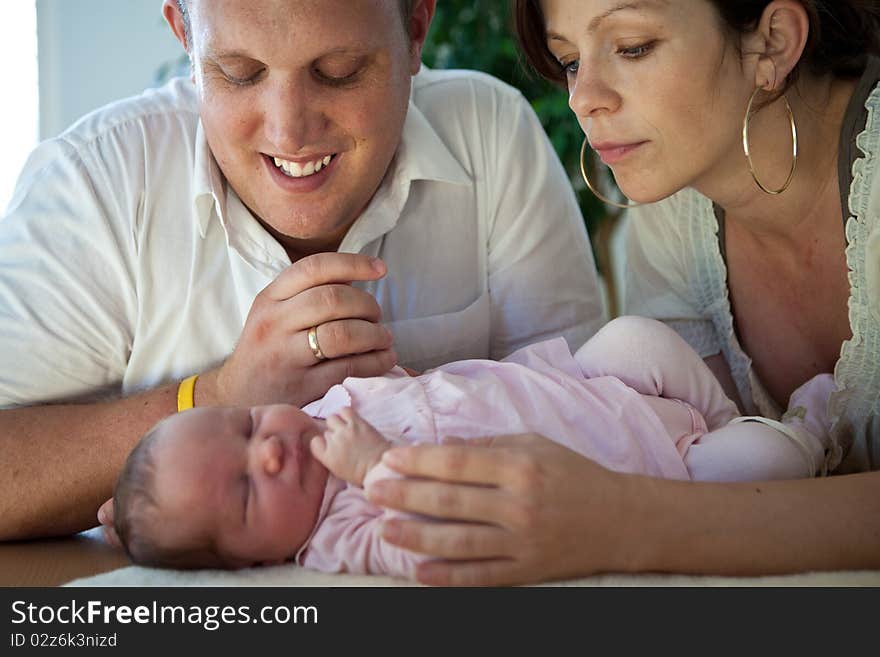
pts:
pixel 171 12
pixel 419 22
pixel 783 30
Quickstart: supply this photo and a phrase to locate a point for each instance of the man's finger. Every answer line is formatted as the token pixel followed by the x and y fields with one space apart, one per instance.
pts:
pixel 324 269
pixel 326 303
pixel 110 535
pixel 105 513
pixel 349 337
pixel 328 373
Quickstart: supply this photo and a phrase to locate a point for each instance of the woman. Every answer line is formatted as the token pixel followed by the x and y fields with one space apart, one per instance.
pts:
pixel 764 254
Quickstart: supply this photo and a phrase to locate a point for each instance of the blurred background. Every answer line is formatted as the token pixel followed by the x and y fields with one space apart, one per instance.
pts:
pixel 65 58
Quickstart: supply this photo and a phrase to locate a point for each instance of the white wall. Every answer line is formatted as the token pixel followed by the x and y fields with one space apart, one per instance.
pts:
pixel 95 51
pixel 18 128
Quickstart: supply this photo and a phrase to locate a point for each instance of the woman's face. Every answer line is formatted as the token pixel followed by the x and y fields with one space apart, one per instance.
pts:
pixel 657 88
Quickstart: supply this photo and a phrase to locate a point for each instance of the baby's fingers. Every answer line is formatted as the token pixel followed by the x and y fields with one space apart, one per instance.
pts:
pixel 318 445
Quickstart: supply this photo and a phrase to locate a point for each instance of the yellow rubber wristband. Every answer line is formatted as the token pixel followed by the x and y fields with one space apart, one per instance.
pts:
pixel 185 397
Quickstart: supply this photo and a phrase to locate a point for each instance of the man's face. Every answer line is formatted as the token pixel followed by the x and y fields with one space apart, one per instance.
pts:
pixel 243 476
pixel 303 103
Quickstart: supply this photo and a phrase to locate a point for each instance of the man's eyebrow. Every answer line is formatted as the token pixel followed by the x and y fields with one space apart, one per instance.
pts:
pixel 217 54
pixel 634 5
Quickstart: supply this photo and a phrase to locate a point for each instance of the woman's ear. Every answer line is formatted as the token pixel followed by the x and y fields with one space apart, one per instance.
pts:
pixel 780 37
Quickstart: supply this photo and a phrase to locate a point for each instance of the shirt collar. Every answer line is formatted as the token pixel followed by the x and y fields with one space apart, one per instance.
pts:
pixel 209 185
pixel 422 155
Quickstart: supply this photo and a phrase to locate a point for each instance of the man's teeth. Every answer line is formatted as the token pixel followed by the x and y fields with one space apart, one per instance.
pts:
pixel 297 170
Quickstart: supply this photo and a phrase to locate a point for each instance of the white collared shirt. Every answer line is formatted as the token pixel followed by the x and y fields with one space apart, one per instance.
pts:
pixel 126 261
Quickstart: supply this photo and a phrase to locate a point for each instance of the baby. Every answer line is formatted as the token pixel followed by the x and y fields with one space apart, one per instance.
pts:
pixel 237 487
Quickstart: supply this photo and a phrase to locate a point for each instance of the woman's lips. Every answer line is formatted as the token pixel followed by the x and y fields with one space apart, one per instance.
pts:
pixel 610 153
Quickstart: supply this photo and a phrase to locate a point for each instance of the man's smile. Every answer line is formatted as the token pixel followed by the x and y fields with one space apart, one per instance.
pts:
pixel 302 169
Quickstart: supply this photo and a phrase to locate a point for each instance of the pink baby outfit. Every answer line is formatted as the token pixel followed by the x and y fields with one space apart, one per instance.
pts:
pixel 622 421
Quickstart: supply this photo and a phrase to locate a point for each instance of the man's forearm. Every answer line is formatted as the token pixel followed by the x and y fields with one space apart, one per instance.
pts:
pixel 60 462
pixel 756 528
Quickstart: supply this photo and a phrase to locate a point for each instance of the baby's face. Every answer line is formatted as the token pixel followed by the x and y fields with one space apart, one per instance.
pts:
pixel 245 477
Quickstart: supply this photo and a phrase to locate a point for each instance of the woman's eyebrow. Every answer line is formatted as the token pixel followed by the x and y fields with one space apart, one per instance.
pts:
pixel 634 5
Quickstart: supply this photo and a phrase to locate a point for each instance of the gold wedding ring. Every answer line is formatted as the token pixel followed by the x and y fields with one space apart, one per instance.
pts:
pixel 313 344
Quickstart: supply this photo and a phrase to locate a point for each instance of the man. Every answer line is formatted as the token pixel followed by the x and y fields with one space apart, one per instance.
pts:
pixel 253 226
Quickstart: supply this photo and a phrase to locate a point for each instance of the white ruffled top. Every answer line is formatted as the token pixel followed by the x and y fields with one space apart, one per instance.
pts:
pixel 675 272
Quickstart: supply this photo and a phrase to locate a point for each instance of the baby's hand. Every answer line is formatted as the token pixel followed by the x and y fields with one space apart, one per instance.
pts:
pixel 349 447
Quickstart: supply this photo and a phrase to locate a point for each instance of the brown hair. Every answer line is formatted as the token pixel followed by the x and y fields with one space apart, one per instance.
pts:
pixel 842 34
pixel 136 514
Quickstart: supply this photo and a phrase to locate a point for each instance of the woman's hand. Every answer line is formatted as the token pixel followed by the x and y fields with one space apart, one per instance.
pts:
pixel 532 510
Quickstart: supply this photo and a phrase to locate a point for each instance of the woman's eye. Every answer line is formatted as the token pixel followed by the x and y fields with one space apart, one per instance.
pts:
pixel 636 52
pixel 571 68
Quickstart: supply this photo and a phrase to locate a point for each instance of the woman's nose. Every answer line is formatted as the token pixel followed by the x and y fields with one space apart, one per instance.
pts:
pixel 589 94
pixel 270 454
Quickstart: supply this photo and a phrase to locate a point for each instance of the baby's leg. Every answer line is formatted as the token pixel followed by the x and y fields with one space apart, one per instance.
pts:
pixel 651 358
pixel 747 451
pixel 754 449
pixel 349 447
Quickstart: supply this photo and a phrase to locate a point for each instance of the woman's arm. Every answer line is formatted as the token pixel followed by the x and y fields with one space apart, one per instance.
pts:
pixel 543 512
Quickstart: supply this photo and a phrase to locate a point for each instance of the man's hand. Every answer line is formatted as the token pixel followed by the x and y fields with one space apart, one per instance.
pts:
pixel 105 517
pixel 273 362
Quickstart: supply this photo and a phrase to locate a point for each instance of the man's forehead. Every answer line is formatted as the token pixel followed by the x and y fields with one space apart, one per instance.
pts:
pixel 231 28
pixel 270 12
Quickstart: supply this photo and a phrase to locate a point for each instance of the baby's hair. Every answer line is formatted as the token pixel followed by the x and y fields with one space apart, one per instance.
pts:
pixel 136 516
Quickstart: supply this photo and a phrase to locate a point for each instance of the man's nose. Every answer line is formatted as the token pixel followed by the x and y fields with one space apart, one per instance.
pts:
pixel 270 454
pixel 293 116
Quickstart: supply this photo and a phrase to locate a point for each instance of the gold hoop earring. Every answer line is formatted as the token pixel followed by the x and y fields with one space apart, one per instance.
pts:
pixel 794 146
pixel 593 189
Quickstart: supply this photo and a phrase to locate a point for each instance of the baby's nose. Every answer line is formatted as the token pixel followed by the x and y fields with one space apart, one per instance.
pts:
pixel 272 455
